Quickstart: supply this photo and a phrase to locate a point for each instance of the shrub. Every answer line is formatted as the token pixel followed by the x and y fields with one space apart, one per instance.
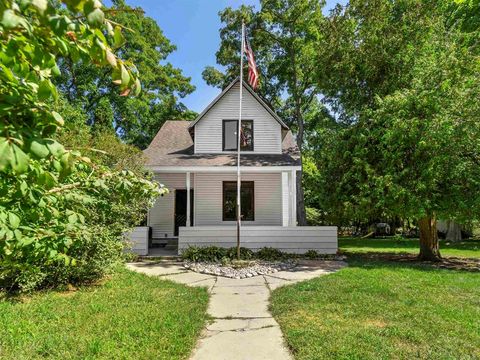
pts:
pixel 314 216
pixel 222 255
pixel 311 254
pixel 245 254
pixel 270 254
pixel 62 214
pixel 208 253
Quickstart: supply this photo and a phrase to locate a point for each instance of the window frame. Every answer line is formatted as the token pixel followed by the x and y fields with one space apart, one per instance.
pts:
pixel 251 148
pixel 244 184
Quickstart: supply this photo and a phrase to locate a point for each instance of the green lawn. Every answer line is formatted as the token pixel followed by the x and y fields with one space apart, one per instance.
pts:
pixel 382 310
pixel 467 248
pixel 130 316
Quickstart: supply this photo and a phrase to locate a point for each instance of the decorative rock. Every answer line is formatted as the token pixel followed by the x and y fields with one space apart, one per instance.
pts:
pixel 255 268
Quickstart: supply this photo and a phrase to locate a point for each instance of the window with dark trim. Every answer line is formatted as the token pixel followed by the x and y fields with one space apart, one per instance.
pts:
pixel 247 201
pixel 229 135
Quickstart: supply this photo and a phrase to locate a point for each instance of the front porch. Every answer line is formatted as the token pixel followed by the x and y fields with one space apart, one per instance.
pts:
pixel 200 211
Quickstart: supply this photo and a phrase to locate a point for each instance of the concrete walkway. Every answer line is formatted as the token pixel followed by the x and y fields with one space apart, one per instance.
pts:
pixel 242 326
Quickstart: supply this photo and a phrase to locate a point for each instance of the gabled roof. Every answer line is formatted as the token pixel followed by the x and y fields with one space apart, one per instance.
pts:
pixel 173 146
pixel 251 91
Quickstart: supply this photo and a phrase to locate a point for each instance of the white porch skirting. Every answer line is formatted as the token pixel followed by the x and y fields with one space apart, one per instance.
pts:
pixel 138 240
pixel 291 239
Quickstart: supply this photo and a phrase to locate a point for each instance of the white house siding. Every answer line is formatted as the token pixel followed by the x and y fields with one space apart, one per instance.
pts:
pixel 138 240
pixel 266 130
pixel 291 239
pixel 208 206
pixel 161 216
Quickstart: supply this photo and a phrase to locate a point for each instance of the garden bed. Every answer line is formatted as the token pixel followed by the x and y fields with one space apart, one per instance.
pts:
pixel 241 270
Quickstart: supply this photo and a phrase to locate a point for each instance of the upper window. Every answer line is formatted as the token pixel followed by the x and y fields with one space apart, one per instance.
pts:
pixel 230 128
pixel 247 201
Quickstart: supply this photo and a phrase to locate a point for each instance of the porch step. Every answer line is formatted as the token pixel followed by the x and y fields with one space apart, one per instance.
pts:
pixel 167 243
pixel 172 244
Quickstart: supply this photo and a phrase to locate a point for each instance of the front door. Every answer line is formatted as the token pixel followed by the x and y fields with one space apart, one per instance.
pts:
pixel 181 209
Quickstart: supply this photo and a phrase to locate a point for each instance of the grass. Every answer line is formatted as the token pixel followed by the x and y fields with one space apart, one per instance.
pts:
pixel 467 248
pixel 129 316
pixel 382 310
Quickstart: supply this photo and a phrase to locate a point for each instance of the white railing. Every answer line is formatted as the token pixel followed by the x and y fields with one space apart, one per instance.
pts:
pixel 292 239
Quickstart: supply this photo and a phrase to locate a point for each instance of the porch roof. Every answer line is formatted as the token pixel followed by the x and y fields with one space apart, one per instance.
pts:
pixel 173 146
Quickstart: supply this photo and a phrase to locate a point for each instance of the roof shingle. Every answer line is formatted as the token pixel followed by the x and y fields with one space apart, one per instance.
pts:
pixel 173 146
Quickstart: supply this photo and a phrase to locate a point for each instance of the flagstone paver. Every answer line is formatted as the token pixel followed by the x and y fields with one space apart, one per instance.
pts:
pixel 242 327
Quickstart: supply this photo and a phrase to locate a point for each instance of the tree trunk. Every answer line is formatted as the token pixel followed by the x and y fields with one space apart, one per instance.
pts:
pixel 454 231
pixel 301 214
pixel 429 249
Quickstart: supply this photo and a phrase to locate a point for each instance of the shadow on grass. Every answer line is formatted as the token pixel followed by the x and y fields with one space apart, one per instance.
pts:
pixel 405 243
pixel 396 260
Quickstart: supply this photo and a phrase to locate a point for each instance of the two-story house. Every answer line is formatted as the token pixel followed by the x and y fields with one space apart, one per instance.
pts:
pixel 196 160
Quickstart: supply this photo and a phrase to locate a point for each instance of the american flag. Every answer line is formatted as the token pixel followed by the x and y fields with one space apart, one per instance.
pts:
pixel 252 66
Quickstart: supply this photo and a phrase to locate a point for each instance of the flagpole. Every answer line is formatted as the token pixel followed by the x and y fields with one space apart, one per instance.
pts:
pixel 238 141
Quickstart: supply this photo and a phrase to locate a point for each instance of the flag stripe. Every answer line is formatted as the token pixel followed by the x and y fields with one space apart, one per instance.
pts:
pixel 252 66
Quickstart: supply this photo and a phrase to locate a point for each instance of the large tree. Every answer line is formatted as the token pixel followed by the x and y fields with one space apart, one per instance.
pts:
pixel 404 77
pixel 137 119
pixel 285 35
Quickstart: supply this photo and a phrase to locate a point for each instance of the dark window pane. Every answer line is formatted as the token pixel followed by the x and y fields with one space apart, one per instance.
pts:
pixel 246 140
pixel 230 134
pixel 230 201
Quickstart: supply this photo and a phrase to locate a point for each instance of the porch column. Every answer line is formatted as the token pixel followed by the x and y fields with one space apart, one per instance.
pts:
pixel 188 198
pixel 293 198
pixel 285 199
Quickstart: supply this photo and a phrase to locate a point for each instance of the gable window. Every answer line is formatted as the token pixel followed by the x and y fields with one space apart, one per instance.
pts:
pixel 230 139
pixel 247 201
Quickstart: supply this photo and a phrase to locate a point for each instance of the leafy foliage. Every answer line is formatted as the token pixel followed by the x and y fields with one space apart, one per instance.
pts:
pixel 402 79
pixel 218 254
pixel 61 214
pixel 136 119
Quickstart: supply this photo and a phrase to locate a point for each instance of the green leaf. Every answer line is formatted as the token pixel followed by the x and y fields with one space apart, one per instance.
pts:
pixel 4 154
pixel 112 60
pixel 74 5
pixel 72 219
pixel 118 38
pixel 44 90
pixel 55 148
pixel 14 220
pixel 41 5
pixel 109 28
pixel 39 149
pixel 56 70
pixel 125 77
pixel 18 234
pixel 10 20
pixel 58 118
pixel 19 160
pixel 24 188
pixel 138 87
pixel 66 161
pixel 96 17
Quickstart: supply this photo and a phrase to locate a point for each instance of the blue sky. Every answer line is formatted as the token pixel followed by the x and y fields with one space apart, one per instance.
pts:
pixel 193 25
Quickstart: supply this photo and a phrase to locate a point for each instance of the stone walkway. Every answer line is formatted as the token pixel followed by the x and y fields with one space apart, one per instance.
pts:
pixel 242 326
